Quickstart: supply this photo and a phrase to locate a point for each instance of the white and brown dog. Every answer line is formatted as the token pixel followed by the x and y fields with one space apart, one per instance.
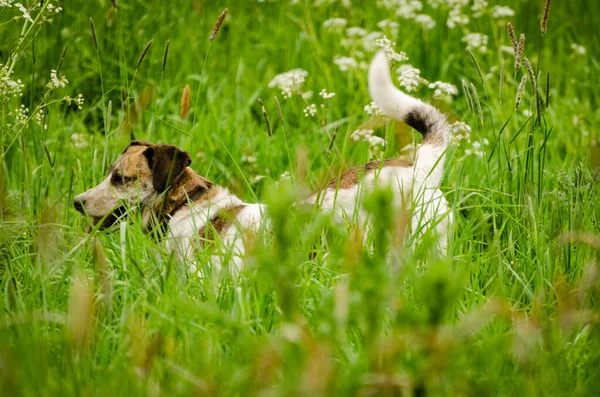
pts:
pixel 157 180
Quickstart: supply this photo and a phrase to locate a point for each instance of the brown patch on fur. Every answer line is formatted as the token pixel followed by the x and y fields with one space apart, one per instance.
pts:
pixel 189 187
pixel 351 177
pixel 218 224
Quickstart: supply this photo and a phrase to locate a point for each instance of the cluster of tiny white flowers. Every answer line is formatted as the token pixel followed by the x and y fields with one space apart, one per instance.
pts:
pixel 476 149
pixel 8 86
pixel 310 110
pixel 345 3
pixel 335 24
pixel 476 41
pixel 289 82
pixel 6 3
pixel 307 95
pixel 24 11
pixel 500 12
pixel 38 117
pixel 392 26
pixel 459 131
pixel 56 82
pixel 52 8
pixel 578 49
pixel 376 144
pixel 326 95
pixel 408 9
pixel 425 21
pixel 409 77
pixel 249 159
pixel 361 135
pixel 22 114
pixel 345 63
pixel 356 32
pixel 440 88
pixel 79 140
pixel 478 7
pixel 286 176
pixel 388 46
pixel 373 110
pixel 78 100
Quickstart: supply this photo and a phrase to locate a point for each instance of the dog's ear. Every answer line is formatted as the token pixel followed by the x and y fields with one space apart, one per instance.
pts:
pixel 167 163
pixel 137 143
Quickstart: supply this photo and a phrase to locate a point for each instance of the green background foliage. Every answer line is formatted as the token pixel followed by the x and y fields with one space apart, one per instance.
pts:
pixel 512 311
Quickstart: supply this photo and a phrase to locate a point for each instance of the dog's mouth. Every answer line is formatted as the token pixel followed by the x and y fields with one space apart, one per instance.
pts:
pixel 109 220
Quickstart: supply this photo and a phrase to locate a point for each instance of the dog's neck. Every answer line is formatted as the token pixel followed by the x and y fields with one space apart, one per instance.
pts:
pixel 188 188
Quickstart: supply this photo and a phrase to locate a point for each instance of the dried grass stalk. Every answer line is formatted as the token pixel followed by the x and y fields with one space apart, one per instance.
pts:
pixel 185 102
pixel 217 26
pixel 531 73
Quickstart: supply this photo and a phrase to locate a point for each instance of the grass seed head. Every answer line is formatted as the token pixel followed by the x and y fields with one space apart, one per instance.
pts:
pixel 544 22
pixel 143 55
pixel 94 36
pixel 165 56
pixel 520 92
pixel 185 102
pixel 217 26
pixel 519 53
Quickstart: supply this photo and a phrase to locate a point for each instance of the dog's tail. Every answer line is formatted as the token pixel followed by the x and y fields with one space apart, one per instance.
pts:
pixel 421 116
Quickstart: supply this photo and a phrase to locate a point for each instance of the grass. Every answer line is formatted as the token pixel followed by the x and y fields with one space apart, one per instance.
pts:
pixel 513 311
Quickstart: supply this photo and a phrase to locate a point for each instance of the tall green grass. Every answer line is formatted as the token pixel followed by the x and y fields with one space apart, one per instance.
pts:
pixel 513 310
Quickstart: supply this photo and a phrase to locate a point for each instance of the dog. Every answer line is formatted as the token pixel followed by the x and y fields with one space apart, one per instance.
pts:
pixel 195 212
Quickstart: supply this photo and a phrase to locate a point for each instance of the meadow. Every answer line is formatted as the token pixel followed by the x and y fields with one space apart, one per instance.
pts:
pixel 274 106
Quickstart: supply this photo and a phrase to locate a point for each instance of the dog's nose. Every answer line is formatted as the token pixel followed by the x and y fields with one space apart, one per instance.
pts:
pixel 79 204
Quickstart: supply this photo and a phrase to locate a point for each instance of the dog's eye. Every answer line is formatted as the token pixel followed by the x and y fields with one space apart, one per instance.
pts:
pixel 116 179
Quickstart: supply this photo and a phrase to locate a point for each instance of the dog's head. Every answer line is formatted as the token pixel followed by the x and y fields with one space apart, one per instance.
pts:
pixel 141 173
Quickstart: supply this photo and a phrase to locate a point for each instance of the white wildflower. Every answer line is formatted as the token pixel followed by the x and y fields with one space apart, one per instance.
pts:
pixel 387 46
pixel 326 95
pixel 9 87
pixel 6 3
pixel 79 140
pixel 476 41
pixel 373 110
pixel 79 101
pixel 409 77
pixel 425 21
pixel 286 176
pixel 369 42
pixel 289 82
pixel 345 63
pixel 22 114
pixel 478 7
pixel 38 117
pixel 56 82
pixel 459 131
pixel 440 88
pixel 508 49
pixel 310 110
pixel 307 95
pixel 388 25
pixel 335 24
pixel 456 18
pixel 247 158
pixel 376 141
pixel 345 3
pixel 361 135
pixel 24 12
pixel 356 32
pixel 578 49
pixel 500 12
